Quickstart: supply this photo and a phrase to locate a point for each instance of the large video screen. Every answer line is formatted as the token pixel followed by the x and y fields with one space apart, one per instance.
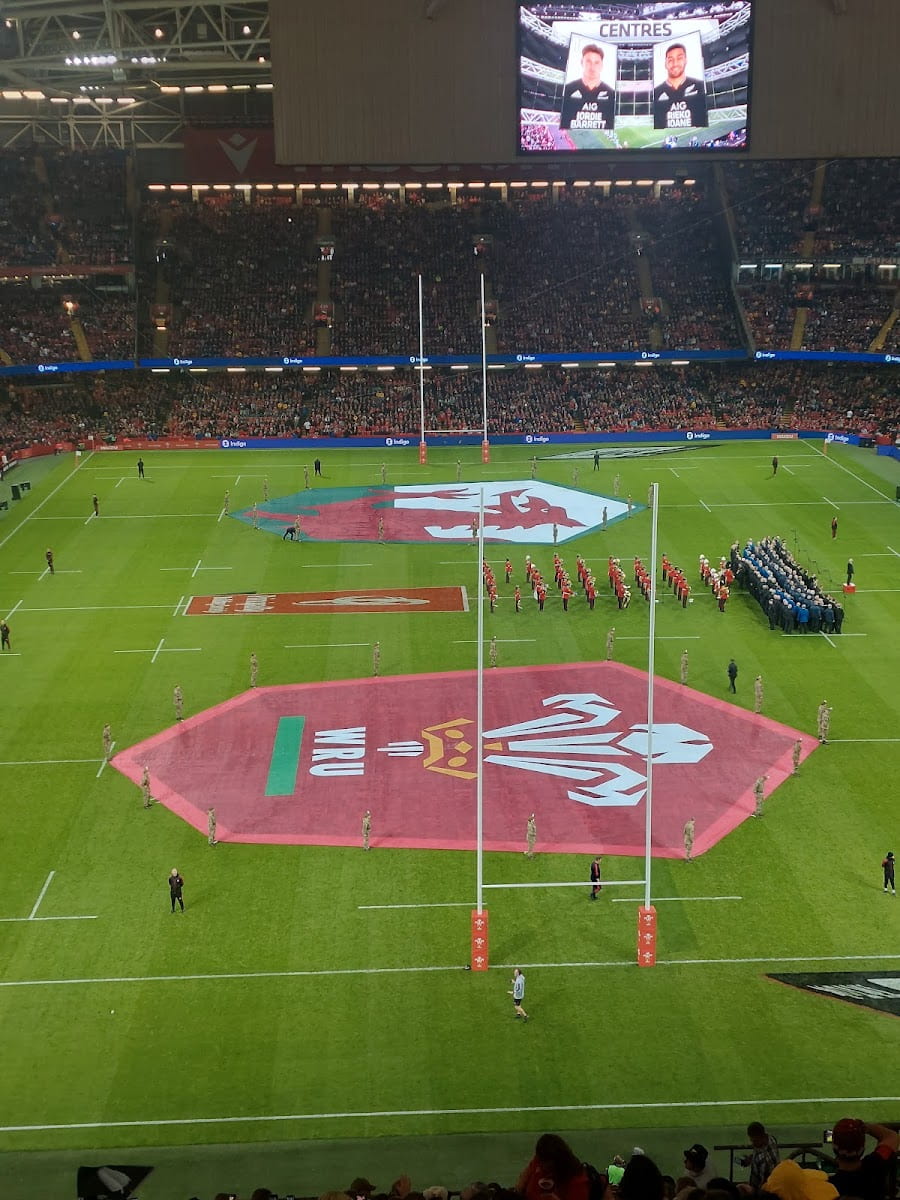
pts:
pixel 634 75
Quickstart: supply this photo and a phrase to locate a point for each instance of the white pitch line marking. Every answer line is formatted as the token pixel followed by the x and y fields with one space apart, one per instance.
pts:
pixel 178 606
pixel 447 1112
pixel 450 904
pixel 860 741
pixel 94 608
pixel 834 463
pixel 121 481
pixel 10 654
pixel 37 508
pixel 157 650
pixel 135 517
pixel 45 762
pixel 631 637
pixel 220 516
pixel 500 641
pixel 674 472
pixel 112 746
pixel 876 591
pixel 197 568
pixel 465 597
pixel 90 518
pixel 332 566
pixel 37 903
pixel 326 645
pixel 14 610
pixel 891 548
pixel 706 506
pixel 38 572
pixel 18 920
pixel 163 650
pixel 659 899
pixel 788 469
pixel 355 971
pixel 827 638
pixel 46 571
pixel 831 502
pixel 238 480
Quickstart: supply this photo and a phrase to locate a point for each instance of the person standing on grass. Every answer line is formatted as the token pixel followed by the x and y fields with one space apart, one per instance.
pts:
pixel 507 570
pixel 617 483
pixel 596 460
pixel 759 794
pixel 225 503
pixel 795 755
pixel 834 524
pixel 384 472
pixel 850 571
pixel 534 467
pixel 317 466
pixel 530 836
pixel 887 867
pixel 211 826
pixel 688 835
pixel 823 718
pixel 775 464
pixel 492 651
pixel 254 670
pixel 176 888
pixel 376 659
pixel 298 529
pixel 518 994
pixel 4 636
pixel 610 643
pixel 604 518
pixel 95 500
pixel 596 878
pixel 629 504
pixel 178 702
pixel 49 557
pixel 140 468
pixel 107 741
pixel 366 829
pixel 684 667
pixel 757 694
pixel 458 470
pixel 306 478
pixel 732 674
pixel 145 787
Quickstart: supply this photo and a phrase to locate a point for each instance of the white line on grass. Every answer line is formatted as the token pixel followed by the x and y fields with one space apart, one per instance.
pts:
pixel 121 481
pixel 220 516
pixel 674 472
pixel 13 611
pixel 11 654
pixel 37 903
pixel 859 741
pixel 659 899
pixel 333 972
pixel 325 645
pixel 93 608
pixel 449 904
pixel 238 480
pixel 157 650
pixel 827 638
pixel 178 606
pixel 112 746
pixel 160 649
pixel 633 637
pixel 574 883
pixel 858 478
pixel 332 566
pixel 135 517
pixel 831 503
pixel 197 568
pixel 46 571
pixel 500 641
pixel 45 762
pixel 90 518
pixel 37 508
pixel 22 920
pixel 876 591
pixel 891 548
pixel 706 506
pixel 405 1113
pixel 788 469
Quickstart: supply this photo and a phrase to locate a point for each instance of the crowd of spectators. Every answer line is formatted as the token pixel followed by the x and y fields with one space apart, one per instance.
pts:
pixel 24 239
pixel 556 1172
pixel 770 203
pixel 290 404
pixel 87 214
pixel 841 317
pixel 382 247
pixel 771 313
pixel 861 209
pixel 242 278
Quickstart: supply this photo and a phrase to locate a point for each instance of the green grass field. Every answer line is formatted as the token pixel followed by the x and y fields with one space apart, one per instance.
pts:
pixel 276 1009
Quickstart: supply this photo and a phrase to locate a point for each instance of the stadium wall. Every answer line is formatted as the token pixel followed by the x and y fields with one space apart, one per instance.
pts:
pixel 358 82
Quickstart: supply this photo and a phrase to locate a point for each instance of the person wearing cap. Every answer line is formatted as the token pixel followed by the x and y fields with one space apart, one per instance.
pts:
pixel 765 1156
pixel 859 1174
pixel 360 1188
pixel 698 1165
pixel 887 866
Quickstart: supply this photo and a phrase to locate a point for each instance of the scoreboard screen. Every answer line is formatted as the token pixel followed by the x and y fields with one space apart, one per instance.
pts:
pixel 631 75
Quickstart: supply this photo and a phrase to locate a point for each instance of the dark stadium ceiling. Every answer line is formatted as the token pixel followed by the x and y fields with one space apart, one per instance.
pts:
pixel 128 48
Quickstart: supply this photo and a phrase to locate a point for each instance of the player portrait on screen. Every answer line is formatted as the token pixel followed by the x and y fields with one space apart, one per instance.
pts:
pixel 589 99
pixel 679 97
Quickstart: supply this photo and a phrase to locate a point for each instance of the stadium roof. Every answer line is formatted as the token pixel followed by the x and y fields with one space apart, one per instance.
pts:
pixel 131 57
